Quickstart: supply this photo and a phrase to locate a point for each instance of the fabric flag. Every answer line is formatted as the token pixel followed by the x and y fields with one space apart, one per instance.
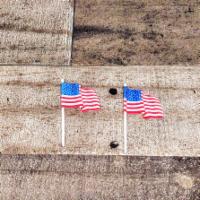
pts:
pixel 74 96
pixel 139 102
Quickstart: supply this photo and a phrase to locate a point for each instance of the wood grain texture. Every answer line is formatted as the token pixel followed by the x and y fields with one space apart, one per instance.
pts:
pixel 30 116
pixel 36 31
pixel 142 32
pixel 75 177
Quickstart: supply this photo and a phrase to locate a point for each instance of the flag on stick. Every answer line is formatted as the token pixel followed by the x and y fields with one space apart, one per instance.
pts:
pixel 139 102
pixel 74 96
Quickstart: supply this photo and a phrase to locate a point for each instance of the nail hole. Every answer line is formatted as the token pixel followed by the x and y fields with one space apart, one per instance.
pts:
pixel 37 61
pixel 113 91
pixel 114 144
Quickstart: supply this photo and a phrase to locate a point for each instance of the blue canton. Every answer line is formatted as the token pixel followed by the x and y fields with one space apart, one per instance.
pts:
pixel 132 95
pixel 70 89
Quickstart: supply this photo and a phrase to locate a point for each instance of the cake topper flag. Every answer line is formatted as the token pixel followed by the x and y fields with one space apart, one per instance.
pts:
pixel 75 96
pixel 140 102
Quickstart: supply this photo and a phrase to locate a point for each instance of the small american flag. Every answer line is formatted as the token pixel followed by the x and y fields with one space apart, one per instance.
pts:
pixel 139 102
pixel 74 96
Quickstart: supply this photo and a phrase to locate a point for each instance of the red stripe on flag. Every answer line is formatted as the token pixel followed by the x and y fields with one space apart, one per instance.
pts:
pixel 133 108
pixel 71 101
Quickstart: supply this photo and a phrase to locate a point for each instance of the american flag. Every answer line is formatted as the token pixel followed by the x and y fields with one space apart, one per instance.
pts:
pixel 139 102
pixel 74 96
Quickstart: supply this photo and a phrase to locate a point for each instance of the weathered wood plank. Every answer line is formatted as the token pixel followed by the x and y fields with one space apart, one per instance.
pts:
pixel 99 177
pixel 36 32
pixel 128 32
pixel 30 115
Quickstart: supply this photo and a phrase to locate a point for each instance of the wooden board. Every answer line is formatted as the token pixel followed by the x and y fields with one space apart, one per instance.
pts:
pixel 141 32
pixel 99 177
pixel 36 32
pixel 30 118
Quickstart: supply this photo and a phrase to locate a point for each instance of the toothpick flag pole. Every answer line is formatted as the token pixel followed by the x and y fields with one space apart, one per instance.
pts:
pixel 125 129
pixel 63 122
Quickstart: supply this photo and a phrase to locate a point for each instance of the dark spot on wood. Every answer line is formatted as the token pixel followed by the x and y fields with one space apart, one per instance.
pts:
pixel 113 91
pixel 91 30
pixel 155 52
pixel 150 17
pixel 126 33
pixel 120 50
pixel 140 5
pixel 93 55
pixel 189 59
pixel 8 100
pixel 152 35
pixel 88 31
pixel 179 159
pixel 116 61
pixel 13 47
pixel 114 144
pixel 19 61
pixel 6 26
pixel 9 26
pixel 17 18
pixel 4 14
pixel 190 10
pixel 37 61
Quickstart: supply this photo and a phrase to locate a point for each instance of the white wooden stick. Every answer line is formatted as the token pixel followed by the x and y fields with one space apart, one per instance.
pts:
pixel 63 122
pixel 125 130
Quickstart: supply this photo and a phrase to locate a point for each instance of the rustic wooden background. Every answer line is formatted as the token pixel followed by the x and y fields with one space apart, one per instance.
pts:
pixel 36 31
pixel 106 32
pixel 30 116
pixel 142 32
